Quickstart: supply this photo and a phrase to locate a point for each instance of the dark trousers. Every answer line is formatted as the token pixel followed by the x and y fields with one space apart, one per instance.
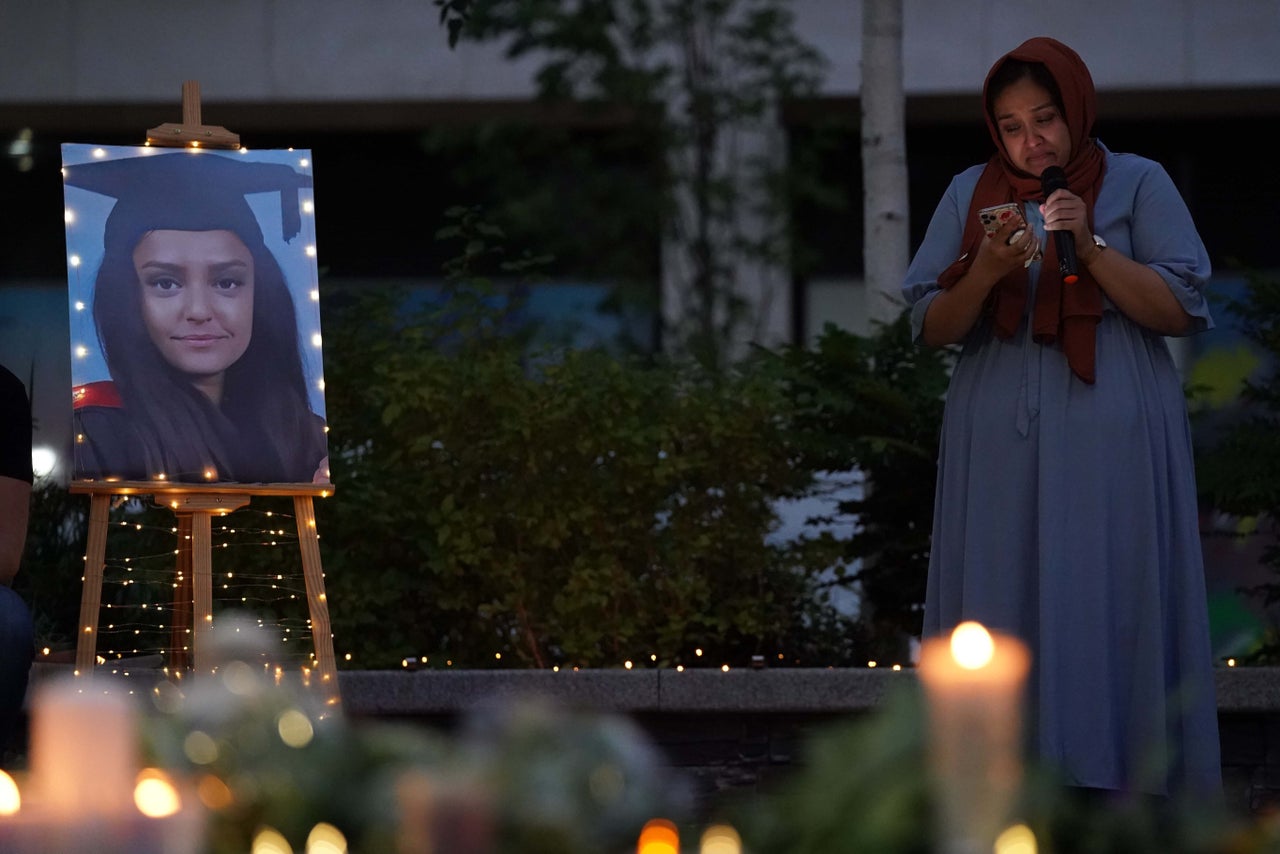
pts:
pixel 17 650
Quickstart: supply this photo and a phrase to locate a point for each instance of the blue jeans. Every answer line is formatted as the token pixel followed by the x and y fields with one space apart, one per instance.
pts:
pixel 17 650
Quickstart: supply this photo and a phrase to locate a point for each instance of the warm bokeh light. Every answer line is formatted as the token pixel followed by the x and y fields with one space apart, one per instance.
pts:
pixel 1016 840
pixel 972 646
pixel 720 839
pixel 154 795
pixel 270 841
pixel 659 836
pixel 200 748
pixel 43 461
pixel 10 800
pixel 295 728
pixel 214 793
pixel 326 839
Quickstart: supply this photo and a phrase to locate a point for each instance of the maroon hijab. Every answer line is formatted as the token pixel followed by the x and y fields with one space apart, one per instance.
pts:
pixel 1064 314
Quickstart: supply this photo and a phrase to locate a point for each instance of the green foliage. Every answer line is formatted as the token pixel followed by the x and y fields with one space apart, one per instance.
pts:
pixel 565 781
pixel 494 509
pixel 584 511
pixel 525 778
pixel 1238 461
pixel 861 787
pixel 1240 472
pixel 52 564
pixel 874 404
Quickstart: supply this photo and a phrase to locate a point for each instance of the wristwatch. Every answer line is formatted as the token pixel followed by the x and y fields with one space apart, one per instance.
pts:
pixel 1101 244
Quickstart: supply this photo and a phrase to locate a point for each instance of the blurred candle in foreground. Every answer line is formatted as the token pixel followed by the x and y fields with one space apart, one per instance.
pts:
pixel 720 839
pixel 1016 840
pixel 973 682
pixel 658 836
pixel 84 750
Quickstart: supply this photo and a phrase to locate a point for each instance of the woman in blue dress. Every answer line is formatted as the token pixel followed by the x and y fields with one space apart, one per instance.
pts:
pixel 1066 507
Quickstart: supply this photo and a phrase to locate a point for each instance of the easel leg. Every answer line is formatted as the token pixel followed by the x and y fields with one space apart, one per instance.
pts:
pixel 317 602
pixel 202 590
pixel 180 622
pixel 91 586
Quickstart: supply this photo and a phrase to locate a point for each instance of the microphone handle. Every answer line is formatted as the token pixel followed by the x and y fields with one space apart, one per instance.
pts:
pixel 1067 264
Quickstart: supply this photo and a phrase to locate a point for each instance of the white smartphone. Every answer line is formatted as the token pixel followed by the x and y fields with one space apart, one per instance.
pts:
pixel 997 215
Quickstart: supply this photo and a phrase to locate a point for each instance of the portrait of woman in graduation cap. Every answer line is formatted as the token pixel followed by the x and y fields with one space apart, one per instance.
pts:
pixel 197 327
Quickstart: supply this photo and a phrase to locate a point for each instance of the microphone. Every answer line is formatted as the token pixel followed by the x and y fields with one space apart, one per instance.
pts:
pixel 1053 178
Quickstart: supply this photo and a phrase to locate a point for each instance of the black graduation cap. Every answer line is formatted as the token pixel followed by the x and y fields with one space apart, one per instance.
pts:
pixel 188 190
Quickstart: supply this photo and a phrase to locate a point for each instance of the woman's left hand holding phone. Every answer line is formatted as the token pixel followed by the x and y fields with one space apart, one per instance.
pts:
pixel 1012 245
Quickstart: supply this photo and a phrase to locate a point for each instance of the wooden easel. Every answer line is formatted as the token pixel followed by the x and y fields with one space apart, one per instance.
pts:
pixel 191 133
pixel 195 506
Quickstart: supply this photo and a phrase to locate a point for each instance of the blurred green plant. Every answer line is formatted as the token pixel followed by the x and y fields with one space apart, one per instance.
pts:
pixel 863 785
pixel 1238 447
pixel 872 405
pixel 568 507
pixel 525 778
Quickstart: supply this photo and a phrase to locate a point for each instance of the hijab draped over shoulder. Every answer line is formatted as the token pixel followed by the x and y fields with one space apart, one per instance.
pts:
pixel 1067 315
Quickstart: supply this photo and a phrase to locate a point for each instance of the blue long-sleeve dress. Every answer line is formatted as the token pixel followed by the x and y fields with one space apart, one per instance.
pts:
pixel 1066 512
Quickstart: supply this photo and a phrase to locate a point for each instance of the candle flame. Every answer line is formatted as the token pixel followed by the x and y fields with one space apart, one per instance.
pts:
pixel 972 646
pixel 10 800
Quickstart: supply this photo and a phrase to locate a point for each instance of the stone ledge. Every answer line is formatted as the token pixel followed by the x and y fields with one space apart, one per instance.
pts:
pixel 402 693
pixel 396 693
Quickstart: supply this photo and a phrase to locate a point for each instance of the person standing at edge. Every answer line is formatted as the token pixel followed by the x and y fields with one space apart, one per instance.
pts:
pixel 17 634
pixel 1066 511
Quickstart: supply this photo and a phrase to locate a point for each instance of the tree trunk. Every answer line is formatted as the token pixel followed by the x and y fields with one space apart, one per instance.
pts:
pixel 884 159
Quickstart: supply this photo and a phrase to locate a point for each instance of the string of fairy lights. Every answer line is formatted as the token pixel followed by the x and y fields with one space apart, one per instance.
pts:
pixel 141 576
pixel 139 608
pixel 143 597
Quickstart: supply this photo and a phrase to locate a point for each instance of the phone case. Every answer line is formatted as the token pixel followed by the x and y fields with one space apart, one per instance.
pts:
pixel 997 215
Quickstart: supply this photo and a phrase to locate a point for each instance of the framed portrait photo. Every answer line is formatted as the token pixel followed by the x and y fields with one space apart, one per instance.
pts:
pixel 195 316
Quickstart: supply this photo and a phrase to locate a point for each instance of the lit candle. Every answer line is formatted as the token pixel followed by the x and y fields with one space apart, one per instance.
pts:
pixel 84 750
pixel 86 792
pixel 974 682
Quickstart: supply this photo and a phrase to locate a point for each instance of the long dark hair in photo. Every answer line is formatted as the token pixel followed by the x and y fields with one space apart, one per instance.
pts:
pixel 261 431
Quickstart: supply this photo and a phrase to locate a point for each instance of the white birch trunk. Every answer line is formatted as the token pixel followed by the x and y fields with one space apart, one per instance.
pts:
pixel 884 159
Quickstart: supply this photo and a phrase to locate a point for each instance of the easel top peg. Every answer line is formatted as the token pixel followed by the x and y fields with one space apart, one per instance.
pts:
pixel 191 133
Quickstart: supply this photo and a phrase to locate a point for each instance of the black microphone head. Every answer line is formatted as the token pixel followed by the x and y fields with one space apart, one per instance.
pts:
pixel 1052 178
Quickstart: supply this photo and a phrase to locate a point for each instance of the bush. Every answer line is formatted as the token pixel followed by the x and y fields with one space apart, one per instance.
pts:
pixel 584 510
